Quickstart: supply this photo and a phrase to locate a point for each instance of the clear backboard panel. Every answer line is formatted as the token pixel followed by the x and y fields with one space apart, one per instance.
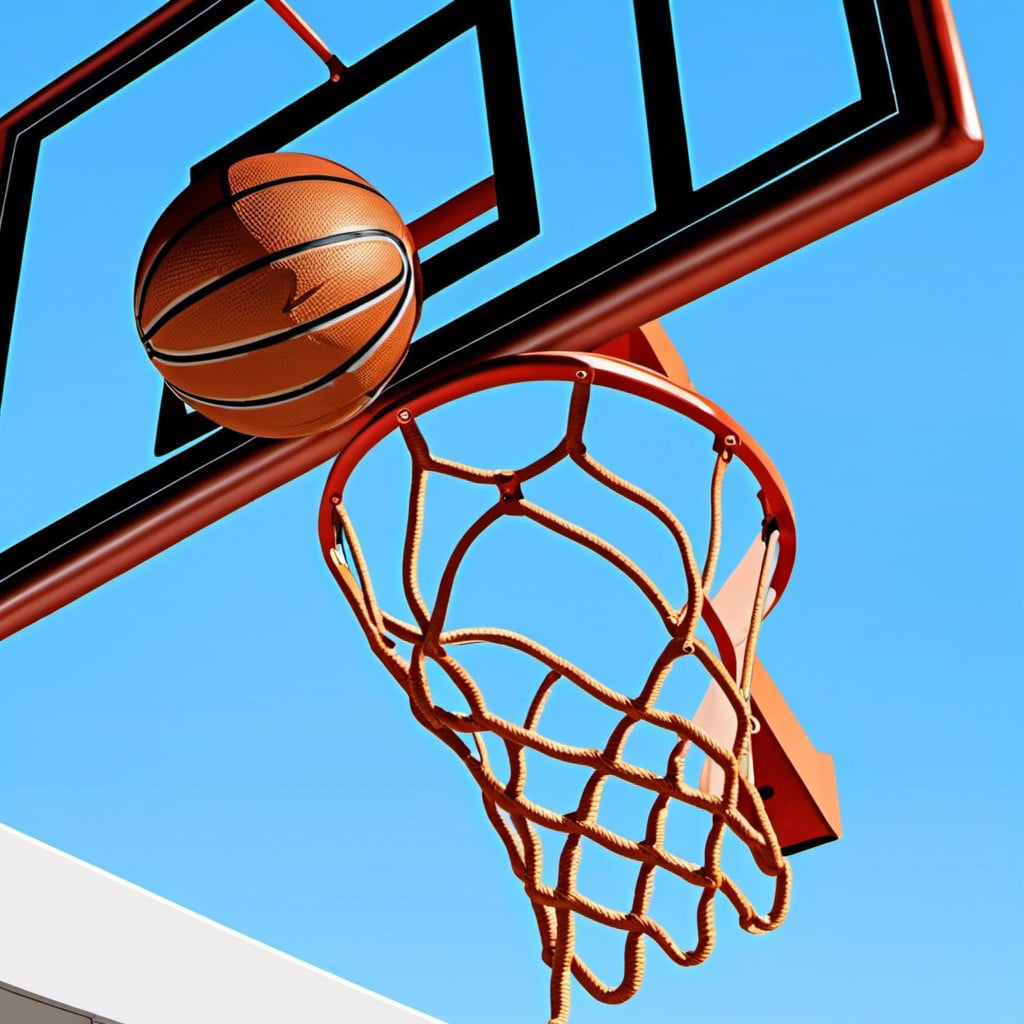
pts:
pixel 565 170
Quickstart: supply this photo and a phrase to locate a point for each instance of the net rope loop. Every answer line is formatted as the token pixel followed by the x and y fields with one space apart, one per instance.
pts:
pixel 726 793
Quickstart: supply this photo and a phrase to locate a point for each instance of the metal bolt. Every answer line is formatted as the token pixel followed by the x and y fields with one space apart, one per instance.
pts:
pixel 335 499
pixel 404 415
pixel 582 375
pixel 730 440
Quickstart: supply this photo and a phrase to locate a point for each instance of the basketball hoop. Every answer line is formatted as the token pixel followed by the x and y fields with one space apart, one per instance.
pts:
pixel 721 729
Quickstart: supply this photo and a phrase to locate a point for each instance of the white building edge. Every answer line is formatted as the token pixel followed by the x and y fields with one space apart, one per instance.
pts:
pixel 81 946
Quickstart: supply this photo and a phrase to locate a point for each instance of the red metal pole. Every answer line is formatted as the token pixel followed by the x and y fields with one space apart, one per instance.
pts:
pixel 292 19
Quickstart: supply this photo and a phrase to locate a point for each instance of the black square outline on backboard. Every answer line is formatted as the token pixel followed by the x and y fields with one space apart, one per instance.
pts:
pixel 517 218
pixel 895 103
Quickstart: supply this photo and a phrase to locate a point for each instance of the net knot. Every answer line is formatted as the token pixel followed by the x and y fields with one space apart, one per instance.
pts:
pixel 509 488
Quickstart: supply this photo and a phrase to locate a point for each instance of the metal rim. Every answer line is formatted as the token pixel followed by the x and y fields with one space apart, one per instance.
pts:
pixel 603 371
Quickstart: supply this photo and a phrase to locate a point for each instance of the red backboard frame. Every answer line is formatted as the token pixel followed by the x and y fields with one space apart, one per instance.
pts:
pixel 97 546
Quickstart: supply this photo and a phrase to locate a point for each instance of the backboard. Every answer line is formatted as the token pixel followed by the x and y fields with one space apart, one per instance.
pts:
pixel 555 163
pixel 80 946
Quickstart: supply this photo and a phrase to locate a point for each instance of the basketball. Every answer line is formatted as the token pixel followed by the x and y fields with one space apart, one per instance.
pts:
pixel 278 296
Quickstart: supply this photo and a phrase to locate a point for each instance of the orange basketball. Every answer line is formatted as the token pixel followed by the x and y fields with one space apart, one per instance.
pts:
pixel 278 296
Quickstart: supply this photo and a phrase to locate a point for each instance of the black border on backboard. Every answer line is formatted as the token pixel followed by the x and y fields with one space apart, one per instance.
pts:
pixel 913 124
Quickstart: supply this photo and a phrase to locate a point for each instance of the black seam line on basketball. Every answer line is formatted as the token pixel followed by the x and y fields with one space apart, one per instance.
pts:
pixel 160 356
pixel 230 200
pixel 375 341
pixel 306 389
pixel 264 261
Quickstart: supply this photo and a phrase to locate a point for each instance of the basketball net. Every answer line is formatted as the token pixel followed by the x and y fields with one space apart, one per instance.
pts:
pixel 720 731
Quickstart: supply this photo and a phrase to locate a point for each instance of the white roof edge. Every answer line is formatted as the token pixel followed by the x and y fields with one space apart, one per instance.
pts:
pixel 86 939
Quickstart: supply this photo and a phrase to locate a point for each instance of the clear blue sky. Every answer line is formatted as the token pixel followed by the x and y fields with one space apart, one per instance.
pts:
pixel 211 726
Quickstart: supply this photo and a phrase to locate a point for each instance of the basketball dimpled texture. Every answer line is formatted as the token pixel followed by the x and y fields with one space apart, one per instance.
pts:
pixel 279 296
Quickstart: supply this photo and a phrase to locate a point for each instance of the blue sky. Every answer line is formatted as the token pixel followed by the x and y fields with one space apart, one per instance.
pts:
pixel 211 726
